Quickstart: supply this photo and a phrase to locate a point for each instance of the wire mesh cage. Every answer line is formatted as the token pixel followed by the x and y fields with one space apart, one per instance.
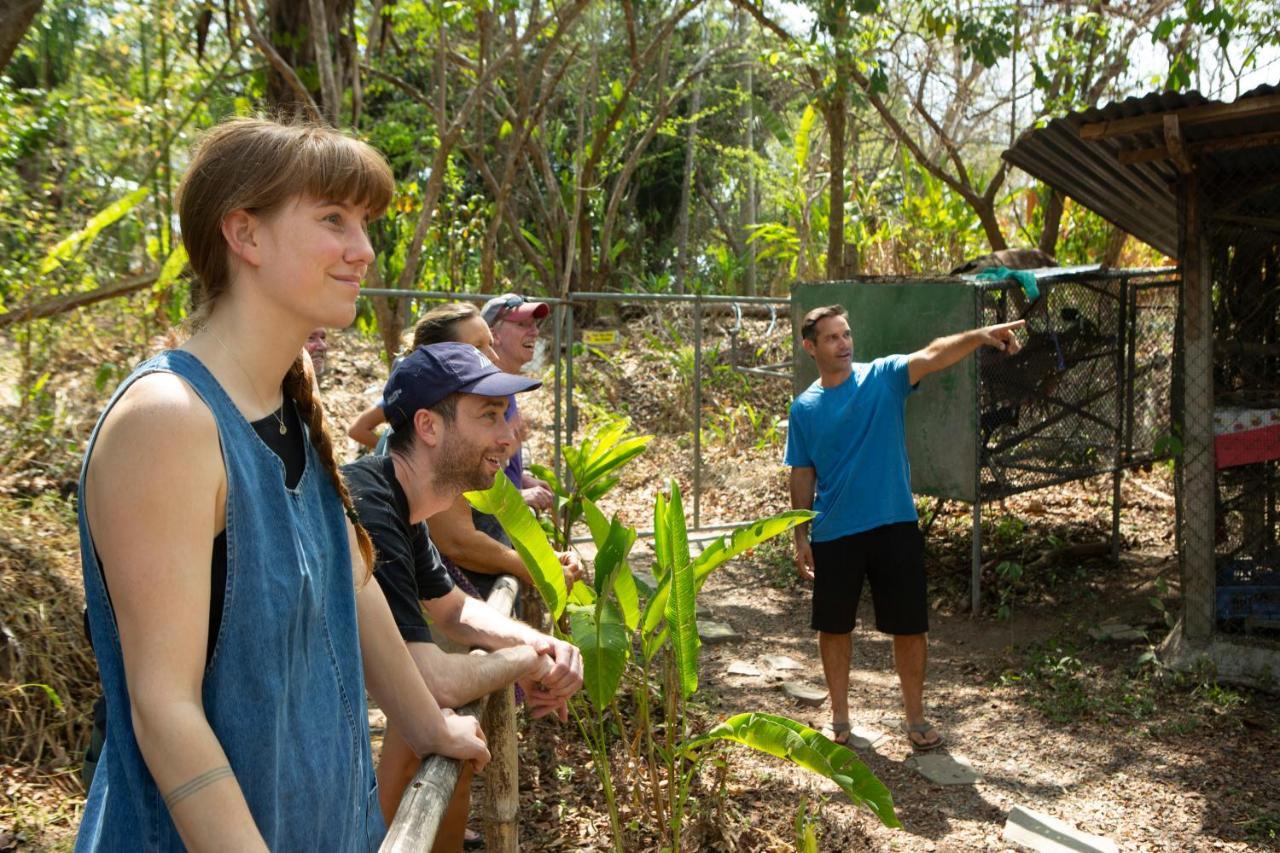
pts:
pixel 1088 393
pixel 1245 268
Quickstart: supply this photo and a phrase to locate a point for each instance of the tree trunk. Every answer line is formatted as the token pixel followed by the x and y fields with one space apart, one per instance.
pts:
pixel 294 39
pixel 834 112
pixel 1052 222
pixel 686 185
pixel 16 17
pixel 986 211
pixel 747 215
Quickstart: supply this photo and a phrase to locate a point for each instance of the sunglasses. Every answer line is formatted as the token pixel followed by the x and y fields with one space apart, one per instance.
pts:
pixel 505 308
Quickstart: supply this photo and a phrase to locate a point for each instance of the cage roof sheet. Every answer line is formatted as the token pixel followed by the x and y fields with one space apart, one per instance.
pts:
pixel 1115 160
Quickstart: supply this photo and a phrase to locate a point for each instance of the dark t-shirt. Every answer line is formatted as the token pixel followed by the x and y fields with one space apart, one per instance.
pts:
pixel 408 565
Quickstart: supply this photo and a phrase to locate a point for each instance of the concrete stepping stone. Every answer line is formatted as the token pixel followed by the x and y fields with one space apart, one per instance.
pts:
pixel 1116 632
pixel 860 738
pixel 702 611
pixel 716 632
pixel 1048 834
pixel 740 667
pixel 943 769
pixel 805 694
pixel 781 662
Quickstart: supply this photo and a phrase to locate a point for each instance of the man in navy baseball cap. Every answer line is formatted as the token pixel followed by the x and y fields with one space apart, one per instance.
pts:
pixel 430 374
pixel 446 404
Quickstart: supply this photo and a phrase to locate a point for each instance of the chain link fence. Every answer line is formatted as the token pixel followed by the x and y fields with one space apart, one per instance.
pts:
pixel 1090 390
pixel 1244 268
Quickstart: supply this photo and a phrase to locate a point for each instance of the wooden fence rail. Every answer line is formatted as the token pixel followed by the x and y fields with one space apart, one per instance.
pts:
pixel 424 802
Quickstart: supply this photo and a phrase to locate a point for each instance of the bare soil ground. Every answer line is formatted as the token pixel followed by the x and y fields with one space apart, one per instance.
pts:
pixel 1091 731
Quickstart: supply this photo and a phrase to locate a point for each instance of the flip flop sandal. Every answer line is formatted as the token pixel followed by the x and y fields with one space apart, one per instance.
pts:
pixel 921 729
pixel 837 732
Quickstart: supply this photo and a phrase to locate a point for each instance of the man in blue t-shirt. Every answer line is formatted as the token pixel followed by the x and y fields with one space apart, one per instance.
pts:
pixel 846 445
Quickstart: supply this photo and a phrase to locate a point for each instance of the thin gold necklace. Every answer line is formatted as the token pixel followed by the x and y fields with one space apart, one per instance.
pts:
pixel 278 414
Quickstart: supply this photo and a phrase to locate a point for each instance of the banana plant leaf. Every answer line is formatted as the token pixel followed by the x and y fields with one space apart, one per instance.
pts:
pixel 809 749
pixel 713 556
pixel 744 539
pixel 504 502
pixel 80 240
pixel 624 582
pixel 609 457
pixel 601 636
pixel 679 611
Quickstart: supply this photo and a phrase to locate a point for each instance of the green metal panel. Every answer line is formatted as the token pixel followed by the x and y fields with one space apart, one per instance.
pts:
pixel 900 316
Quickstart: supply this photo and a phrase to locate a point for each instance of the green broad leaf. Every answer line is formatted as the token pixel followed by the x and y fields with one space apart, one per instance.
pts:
pixel 596 523
pixel 68 246
pixel 679 611
pixel 624 588
pixel 612 457
pixel 617 90
pixel 542 472
pixel 624 582
pixel 678 534
pixel 173 267
pixel 599 488
pixel 744 539
pixel 612 554
pixel 661 540
pixel 582 595
pixel 537 244
pixel 803 133
pixel 809 749
pixel 619 246
pixel 503 501
pixel 651 644
pixel 505 130
pixel 601 636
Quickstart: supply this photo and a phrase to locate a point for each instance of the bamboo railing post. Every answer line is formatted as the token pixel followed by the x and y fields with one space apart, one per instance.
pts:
pixel 500 806
pixel 424 802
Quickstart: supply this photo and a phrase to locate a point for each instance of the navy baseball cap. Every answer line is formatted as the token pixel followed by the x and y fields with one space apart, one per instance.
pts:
pixel 429 374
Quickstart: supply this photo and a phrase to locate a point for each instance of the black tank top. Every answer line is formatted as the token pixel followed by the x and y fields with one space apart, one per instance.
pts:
pixel 292 452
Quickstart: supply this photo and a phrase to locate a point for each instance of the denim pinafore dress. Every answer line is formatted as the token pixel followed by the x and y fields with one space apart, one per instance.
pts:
pixel 284 687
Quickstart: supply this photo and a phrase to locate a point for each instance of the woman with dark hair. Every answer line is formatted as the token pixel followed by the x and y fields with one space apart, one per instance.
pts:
pixel 227 589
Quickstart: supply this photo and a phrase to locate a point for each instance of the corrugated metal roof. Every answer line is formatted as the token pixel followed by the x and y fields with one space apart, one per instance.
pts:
pixel 1141 197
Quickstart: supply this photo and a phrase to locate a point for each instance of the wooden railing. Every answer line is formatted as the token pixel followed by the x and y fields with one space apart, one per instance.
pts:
pixel 424 802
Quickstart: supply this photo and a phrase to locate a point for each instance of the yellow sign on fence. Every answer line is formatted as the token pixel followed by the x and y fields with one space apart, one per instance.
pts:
pixel 600 338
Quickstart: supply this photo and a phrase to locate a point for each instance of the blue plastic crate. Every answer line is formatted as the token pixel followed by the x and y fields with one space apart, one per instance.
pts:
pixel 1247 590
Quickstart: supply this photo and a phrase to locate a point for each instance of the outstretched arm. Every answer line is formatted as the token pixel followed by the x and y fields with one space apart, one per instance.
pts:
pixel 802 484
pixel 363 429
pixel 944 352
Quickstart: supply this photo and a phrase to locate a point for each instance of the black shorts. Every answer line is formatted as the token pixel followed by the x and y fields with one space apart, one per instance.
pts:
pixel 892 559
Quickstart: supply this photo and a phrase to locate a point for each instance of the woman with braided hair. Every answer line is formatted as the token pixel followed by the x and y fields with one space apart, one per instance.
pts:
pixel 227 588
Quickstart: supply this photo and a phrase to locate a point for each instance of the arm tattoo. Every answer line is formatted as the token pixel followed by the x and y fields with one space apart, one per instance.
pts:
pixel 205 779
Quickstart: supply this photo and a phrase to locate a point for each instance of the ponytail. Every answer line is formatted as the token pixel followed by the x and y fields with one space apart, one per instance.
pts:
pixel 297 386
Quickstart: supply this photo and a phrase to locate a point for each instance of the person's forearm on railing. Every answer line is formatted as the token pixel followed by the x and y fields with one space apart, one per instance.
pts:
pixel 456 679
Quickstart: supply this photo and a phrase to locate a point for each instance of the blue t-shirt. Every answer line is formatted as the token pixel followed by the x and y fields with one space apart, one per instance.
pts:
pixel 853 436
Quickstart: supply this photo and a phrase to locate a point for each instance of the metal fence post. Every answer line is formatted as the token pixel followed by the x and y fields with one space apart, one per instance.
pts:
pixel 697 411
pixel 1199 480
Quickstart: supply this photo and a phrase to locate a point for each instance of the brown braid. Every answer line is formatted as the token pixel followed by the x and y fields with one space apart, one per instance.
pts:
pixel 297 386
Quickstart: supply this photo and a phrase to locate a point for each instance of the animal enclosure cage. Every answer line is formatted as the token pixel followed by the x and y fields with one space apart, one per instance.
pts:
pixel 1088 394
pixel 1245 267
